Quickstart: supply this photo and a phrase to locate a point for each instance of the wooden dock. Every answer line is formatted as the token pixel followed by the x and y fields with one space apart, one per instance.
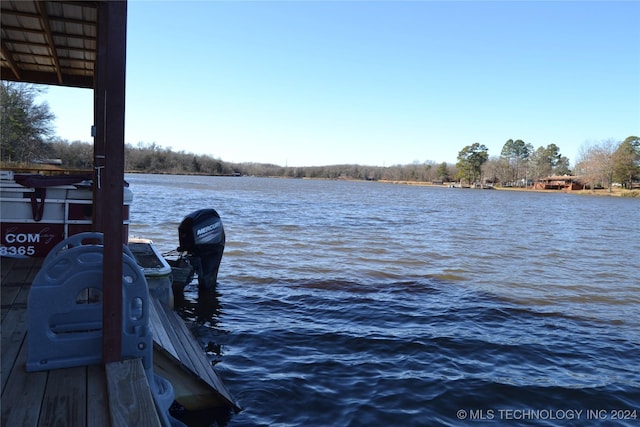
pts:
pixel 179 358
pixel 117 394
pixel 93 395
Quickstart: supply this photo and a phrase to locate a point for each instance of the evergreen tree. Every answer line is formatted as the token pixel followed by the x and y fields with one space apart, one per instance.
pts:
pixel 470 161
pixel 626 161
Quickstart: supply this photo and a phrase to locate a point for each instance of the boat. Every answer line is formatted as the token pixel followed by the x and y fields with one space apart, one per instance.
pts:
pixel 202 239
pixel 39 211
pixel 156 269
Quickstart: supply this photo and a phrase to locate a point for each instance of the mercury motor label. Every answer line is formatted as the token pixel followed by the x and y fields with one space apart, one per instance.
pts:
pixel 210 233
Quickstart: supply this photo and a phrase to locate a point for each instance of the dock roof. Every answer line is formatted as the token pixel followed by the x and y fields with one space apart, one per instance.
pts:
pixel 49 42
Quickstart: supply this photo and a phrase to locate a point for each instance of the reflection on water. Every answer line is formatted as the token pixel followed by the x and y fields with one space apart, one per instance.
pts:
pixel 359 303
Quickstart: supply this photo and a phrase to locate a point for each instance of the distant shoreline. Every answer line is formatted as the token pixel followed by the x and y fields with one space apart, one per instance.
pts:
pixel 615 192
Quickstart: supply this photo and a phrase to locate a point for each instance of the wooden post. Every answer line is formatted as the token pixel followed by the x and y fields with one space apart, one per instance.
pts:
pixel 98 131
pixel 109 122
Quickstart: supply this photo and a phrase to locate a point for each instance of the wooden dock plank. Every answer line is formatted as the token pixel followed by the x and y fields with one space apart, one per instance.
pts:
pixel 164 323
pixel 65 398
pixel 9 293
pixel 97 397
pixel 181 342
pixel 130 397
pixel 160 335
pixel 15 270
pixel 14 331
pixel 23 394
pixel 189 350
pixel 198 358
pixel 14 317
pixel 14 275
pixel 190 355
pixel 17 275
pixel 7 264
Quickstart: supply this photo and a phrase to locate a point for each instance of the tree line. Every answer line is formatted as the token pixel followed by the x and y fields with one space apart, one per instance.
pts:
pixel 519 165
pixel 27 135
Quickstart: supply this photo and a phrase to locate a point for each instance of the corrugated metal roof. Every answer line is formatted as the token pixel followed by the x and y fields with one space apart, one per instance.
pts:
pixel 52 42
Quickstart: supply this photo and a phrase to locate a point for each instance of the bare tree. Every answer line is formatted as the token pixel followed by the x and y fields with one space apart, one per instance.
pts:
pixel 595 164
pixel 26 126
pixel 492 170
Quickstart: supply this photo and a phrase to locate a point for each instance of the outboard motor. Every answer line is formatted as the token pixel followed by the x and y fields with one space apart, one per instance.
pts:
pixel 202 236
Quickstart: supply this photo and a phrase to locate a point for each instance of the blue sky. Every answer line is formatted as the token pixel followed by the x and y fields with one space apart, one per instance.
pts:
pixel 303 83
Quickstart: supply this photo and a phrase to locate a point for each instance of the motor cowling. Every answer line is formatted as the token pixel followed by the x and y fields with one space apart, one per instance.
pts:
pixel 201 235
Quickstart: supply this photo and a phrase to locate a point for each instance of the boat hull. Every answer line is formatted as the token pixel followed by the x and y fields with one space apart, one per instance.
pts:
pixel 34 220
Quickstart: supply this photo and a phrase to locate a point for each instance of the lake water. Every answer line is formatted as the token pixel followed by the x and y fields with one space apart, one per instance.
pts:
pixel 362 303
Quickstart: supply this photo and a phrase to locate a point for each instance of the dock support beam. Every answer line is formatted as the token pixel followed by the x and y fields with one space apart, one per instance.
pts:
pixel 109 99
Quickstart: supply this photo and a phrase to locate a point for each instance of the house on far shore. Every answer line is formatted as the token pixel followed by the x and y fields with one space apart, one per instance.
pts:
pixel 564 182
